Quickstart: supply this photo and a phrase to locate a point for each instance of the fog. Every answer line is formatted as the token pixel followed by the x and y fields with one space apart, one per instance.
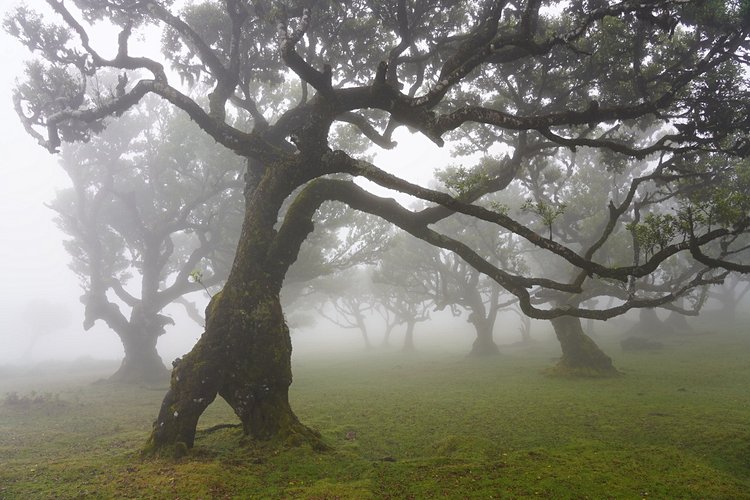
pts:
pixel 35 274
pixel 34 264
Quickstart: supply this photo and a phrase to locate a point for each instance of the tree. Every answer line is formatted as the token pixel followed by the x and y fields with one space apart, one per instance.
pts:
pixel 731 294
pixel 372 67
pixel 149 222
pixel 350 295
pixel 43 317
pixel 404 286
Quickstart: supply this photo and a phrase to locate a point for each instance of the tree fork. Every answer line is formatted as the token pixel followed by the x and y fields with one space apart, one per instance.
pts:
pixel 245 357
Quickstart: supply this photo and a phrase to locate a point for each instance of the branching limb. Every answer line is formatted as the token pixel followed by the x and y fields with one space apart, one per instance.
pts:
pixel 320 81
pixel 360 199
pixel 368 130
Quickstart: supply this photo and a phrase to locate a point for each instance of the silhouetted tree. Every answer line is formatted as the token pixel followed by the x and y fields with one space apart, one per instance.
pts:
pixel 42 317
pixel 405 286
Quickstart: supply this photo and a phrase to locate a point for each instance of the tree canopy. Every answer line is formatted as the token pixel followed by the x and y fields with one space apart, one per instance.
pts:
pixel 301 89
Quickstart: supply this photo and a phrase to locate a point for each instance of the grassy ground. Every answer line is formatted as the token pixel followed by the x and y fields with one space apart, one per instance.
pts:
pixel 675 425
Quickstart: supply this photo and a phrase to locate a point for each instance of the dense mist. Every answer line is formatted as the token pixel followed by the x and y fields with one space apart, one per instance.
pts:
pixel 402 249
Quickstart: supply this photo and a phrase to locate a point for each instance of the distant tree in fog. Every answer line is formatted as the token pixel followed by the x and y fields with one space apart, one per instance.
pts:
pixel 347 300
pixel 154 204
pixel 403 286
pixel 731 294
pixel 522 80
pixel 42 317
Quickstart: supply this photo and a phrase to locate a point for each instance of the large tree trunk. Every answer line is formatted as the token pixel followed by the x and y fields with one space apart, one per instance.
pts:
pixel 678 322
pixel 142 363
pixel 580 355
pixel 409 337
pixel 484 344
pixel 650 324
pixel 244 355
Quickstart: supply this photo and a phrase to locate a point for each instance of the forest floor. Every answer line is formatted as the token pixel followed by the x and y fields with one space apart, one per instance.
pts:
pixel 428 425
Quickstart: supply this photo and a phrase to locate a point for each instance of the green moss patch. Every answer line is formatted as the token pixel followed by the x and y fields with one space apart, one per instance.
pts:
pixel 675 425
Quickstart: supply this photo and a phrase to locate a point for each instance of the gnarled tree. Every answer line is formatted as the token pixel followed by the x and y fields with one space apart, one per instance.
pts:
pixel 435 66
pixel 143 215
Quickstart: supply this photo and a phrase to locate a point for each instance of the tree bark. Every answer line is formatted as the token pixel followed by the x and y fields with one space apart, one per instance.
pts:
pixel 142 363
pixel 580 355
pixel 484 344
pixel 244 355
pixel 409 337
pixel 650 324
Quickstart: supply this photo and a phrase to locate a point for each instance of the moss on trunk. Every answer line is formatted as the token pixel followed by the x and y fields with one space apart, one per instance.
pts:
pixel 245 357
pixel 581 356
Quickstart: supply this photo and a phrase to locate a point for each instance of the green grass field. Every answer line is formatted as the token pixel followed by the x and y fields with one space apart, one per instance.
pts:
pixel 429 425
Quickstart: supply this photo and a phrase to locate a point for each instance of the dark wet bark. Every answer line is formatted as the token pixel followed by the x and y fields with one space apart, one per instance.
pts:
pixel 580 355
pixel 244 355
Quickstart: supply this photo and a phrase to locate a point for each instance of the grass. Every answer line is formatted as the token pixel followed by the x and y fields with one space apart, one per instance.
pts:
pixel 430 425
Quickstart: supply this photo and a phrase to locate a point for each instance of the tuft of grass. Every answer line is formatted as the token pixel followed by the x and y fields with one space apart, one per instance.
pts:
pixel 674 425
pixel 32 400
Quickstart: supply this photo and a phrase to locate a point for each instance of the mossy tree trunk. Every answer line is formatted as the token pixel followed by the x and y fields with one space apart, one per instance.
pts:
pixel 244 355
pixel 580 354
